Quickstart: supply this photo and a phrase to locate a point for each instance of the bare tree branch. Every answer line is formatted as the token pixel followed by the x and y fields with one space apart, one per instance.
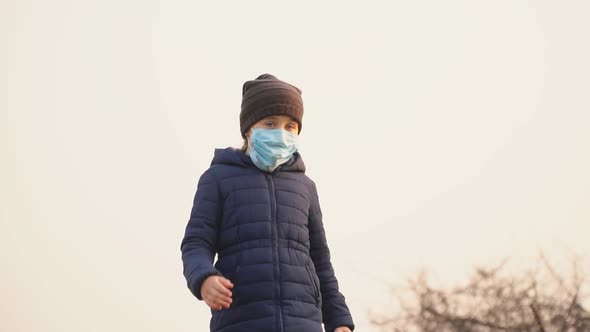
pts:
pixel 493 301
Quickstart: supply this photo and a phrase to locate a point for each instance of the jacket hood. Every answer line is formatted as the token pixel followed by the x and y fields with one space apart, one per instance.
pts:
pixel 236 157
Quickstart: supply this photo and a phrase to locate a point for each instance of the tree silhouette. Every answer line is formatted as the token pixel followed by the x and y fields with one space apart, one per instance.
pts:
pixel 541 300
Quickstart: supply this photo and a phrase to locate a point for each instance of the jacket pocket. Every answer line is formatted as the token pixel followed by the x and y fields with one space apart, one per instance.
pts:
pixel 236 289
pixel 235 276
pixel 316 287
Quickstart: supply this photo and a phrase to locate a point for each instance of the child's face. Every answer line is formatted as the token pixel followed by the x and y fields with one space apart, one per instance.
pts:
pixel 284 122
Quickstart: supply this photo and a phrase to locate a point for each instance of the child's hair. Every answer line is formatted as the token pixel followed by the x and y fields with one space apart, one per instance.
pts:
pixel 244 145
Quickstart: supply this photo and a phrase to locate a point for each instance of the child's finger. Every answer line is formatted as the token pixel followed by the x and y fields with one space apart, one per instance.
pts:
pixel 221 292
pixel 223 296
pixel 221 288
pixel 225 303
pixel 226 282
pixel 220 302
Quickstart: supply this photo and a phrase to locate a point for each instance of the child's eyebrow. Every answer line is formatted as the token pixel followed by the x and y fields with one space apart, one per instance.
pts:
pixel 274 117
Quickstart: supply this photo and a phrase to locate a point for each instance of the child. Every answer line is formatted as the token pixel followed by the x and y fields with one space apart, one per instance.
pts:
pixel 260 213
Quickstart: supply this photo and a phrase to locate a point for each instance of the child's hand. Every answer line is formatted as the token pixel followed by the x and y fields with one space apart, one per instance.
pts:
pixel 215 291
pixel 342 329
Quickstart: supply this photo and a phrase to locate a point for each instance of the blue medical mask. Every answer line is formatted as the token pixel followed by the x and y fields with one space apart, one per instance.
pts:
pixel 270 148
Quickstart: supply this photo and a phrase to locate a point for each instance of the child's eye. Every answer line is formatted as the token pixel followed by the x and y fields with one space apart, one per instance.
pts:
pixel 270 123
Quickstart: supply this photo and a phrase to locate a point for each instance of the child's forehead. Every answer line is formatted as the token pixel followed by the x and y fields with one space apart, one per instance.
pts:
pixel 281 116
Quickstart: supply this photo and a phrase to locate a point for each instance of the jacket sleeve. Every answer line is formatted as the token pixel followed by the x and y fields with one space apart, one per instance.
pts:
pixel 335 312
pixel 199 244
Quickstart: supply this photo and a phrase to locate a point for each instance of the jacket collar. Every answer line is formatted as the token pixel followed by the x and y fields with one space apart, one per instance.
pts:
pixel 236 157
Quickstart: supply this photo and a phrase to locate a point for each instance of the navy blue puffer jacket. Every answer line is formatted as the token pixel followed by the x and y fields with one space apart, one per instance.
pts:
pixel 268 233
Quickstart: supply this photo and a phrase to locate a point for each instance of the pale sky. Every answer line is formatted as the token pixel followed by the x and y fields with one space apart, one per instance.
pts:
pixel 441 135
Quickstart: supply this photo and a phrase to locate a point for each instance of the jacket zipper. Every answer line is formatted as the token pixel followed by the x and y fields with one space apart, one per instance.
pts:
pixel 273 211
pixel 315 285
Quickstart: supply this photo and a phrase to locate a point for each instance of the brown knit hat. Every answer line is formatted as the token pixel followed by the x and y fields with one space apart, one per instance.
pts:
pixel 266 96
